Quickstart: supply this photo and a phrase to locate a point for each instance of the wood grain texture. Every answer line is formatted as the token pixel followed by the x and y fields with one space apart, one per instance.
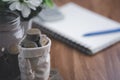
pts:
pixel 73 65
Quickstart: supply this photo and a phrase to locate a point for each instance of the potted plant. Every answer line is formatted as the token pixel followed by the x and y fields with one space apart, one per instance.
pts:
pixel 11 13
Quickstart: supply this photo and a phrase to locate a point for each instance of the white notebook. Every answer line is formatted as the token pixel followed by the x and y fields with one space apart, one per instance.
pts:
pixel 79 21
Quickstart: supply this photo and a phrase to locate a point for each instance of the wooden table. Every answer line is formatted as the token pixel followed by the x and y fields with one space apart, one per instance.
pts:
pixel 73 65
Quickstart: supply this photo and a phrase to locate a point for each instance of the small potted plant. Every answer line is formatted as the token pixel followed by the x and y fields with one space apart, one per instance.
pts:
pixel 11 13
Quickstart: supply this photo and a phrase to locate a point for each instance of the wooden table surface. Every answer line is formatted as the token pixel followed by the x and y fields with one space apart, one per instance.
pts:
pixel 73 65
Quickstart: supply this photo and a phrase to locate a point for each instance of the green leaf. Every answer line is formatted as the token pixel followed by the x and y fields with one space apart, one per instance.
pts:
pixel 49 3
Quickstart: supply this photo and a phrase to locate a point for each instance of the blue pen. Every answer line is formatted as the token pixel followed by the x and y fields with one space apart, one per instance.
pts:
pixel 102 32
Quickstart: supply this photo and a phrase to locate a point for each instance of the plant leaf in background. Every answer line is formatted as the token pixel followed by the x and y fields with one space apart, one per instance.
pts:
pixel 49 3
